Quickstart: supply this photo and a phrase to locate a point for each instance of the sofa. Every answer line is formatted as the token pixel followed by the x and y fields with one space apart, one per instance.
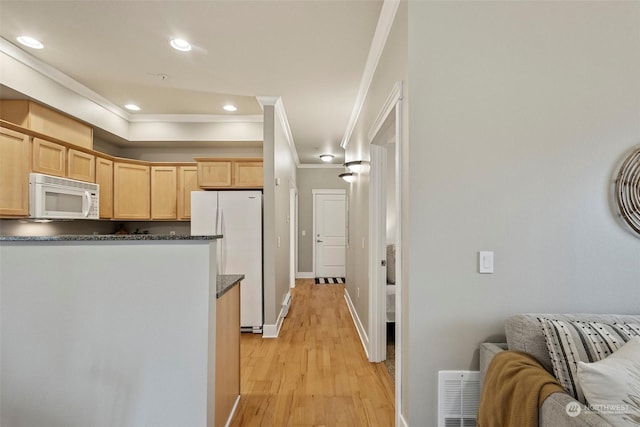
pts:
pixel 526 333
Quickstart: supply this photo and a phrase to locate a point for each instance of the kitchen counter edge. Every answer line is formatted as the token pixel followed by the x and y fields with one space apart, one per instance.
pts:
pixel 226 282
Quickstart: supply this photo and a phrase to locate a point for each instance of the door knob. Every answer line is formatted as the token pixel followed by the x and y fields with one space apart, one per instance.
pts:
pixel 319 241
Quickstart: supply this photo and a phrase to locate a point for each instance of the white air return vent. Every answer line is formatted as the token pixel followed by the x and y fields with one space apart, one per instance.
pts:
pixel 458 397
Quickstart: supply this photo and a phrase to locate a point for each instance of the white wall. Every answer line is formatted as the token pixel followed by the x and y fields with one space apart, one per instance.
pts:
pixel 519 113
pixel 107 333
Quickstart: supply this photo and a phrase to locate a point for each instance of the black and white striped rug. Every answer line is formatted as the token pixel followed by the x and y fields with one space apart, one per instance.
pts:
pixel 329 280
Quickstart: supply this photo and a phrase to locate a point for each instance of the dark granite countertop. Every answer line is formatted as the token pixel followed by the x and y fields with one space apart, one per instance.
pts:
pixel 226 282
pixel 104 237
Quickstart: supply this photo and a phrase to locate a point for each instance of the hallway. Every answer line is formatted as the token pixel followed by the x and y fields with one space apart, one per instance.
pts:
pixel 316 372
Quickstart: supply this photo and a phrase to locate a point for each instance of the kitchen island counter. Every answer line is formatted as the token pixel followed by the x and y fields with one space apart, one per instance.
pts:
pixel 109 330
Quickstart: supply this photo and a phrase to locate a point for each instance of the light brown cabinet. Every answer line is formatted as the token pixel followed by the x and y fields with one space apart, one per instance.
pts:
pixel 214 173
pixel 14 173
pixel 248 174
pixel 187 182
pixel 230 173
pixel 164 190
pixel 131 190
pixel 49 158
pixel 104 178
pixel 41 119
pixel 81 165
pixel 227 382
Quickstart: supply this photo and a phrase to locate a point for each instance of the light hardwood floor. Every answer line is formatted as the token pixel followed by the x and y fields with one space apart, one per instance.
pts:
pixel 315 373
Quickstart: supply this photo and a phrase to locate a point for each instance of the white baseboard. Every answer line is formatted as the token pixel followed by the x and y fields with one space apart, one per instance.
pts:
pixel 403 422
pixel 364 339
pixel 233 411
pixel 305 275
pixel 272 331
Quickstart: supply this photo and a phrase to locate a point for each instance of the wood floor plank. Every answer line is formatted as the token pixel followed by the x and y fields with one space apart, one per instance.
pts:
pixel 316 372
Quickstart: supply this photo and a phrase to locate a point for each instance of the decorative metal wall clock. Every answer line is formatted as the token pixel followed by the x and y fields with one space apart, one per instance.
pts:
pixel 627 191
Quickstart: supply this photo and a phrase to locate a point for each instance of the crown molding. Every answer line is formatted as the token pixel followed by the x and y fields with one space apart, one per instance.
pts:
pixel 278 105
pixel 59 77
pixel 383 28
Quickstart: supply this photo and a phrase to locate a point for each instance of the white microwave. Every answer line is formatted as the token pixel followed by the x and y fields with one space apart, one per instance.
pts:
pixel 51 197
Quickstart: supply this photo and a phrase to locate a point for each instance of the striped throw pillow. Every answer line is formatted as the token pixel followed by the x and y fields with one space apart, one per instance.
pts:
pixel 570 342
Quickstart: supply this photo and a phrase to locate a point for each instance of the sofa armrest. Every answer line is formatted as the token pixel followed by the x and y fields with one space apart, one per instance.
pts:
pixel 487 351
pixel 554 413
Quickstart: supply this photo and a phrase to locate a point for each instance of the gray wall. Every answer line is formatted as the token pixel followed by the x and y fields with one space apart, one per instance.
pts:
pixel 310 179
pixel 391 69
pixel 279 177
pixel 519 114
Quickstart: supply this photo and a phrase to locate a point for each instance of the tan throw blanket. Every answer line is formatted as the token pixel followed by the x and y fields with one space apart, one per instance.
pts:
pixel 515 387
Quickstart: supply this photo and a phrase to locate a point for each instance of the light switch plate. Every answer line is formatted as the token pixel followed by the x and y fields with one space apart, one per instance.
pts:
pixel 485 262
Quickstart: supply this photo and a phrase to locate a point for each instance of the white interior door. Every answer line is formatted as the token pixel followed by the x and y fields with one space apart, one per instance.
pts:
pixel 330 234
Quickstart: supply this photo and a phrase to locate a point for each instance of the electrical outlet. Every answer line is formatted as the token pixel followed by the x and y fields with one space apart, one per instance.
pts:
pixel 358 292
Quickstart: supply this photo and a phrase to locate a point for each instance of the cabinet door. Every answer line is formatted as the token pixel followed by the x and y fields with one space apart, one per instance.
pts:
pixel 131 191
pixel 49 158
pixel 81 166
pixel 104 178
pixel 187 182
pixel 214 174
pixel 164 188
pixel 247 174
pixel 14 173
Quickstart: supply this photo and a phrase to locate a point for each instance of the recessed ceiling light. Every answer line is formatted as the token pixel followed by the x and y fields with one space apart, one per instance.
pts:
pixel 326 157
pixel 132 107
pixel 30 42
pixel 180 44
pixel 230 107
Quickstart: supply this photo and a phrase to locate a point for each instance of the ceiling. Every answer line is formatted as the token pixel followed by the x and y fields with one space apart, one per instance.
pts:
pixel 311 53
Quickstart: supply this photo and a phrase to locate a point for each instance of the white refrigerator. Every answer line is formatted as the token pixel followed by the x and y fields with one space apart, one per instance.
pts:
pixel 237 216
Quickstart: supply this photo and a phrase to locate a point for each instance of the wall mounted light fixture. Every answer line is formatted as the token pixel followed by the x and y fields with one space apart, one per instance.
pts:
pixel 357 166
pixel 348 176
pixel 326 157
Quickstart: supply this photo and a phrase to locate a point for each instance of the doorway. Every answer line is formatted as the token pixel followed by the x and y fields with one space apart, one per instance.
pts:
pixel 329 233
pixel 385 234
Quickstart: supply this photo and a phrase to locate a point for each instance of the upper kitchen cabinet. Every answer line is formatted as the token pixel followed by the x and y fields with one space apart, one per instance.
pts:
pixel 46 121
pixel 49 158
pixel 14 173
pixel 248 173
pixel 104 178
pixel 214 173
pixel 229 173
pixel 81 165
pixel 131 190
pixel 187 182
pixel 164 189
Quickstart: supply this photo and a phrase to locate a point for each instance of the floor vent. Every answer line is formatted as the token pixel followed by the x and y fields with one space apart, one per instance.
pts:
pixel 458 397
